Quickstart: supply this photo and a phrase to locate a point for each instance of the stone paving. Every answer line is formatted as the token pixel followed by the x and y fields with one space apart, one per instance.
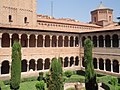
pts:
pixel 72 85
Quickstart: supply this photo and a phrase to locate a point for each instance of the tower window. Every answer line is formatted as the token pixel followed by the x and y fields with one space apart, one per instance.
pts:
pixel 109 18
pixel 94 19
pixel 10 18
pixel 25 20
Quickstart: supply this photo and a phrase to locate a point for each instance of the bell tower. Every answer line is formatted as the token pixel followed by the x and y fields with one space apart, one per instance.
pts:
pixel 18 12
pixel 102 15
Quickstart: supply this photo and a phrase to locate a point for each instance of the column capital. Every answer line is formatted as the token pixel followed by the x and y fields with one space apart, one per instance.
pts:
pixel 28 36
pixel 19 35
pixel 36 36
pixel 50 37
pixel 0 35
pixel 10 35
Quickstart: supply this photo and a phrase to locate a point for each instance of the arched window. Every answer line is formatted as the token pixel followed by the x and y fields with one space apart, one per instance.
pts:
pixel 25 20
pixel 10 18
pixel 95 41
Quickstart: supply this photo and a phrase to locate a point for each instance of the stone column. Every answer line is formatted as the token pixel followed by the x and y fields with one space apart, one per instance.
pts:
pixel 36 40
pixel 10 40
pixel 79 61
pixel 10 68
pixel 119 42
pixel 80 42
pixel 43 40
pixel 50 41
pixel 104 42
pixel 27 66
pixel 63 63
pixel 111 66
pixel 73 41
pixel 63 41
pixel 43 65
pixel 98 64
pixel 20 38
pixel 97 42
pixel 111 42
pixel 35 65
pixel 104 65
pixel 57 41
pixel 28 40
pixel 68 41
pixel 68 62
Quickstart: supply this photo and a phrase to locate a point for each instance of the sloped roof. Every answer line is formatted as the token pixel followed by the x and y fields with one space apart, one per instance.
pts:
pixel 101 6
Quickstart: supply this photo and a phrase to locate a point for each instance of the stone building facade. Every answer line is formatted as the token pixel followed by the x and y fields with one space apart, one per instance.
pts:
pixel 43 37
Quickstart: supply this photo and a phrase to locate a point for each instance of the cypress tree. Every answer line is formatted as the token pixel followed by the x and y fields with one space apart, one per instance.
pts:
pixel 16 66
pixel 90 75
pixel 55 79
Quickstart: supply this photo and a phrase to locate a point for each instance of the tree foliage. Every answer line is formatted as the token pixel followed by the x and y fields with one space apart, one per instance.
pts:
pixel 16 66
pixel 90 75
pixel 55 81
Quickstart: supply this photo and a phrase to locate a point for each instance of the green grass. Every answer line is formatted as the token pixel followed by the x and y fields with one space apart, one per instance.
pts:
pixel 24 86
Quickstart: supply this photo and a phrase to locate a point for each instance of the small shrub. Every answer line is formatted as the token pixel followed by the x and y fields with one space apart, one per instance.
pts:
pixel 7 82
pixel 40 77
pixel 1 85
pixel 40 85
pixel 68 73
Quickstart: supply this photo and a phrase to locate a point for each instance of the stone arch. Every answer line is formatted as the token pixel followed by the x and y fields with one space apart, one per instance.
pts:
pixel 95 41
pixel 115 40
pixel 89 37
pixel 5 40
pixel 24 65
pixel 95 63
pixel 40 64
pixel 71 61
pixel 76 42
pixel 15 37
pixel 101 64
pixel 5 67
pixel 47 41
pixel 115 66
pixel 54 41
pixel 40 41
pixel 71 41
pixel 66 62
pixel 83 39
pixel 76 61
pixel 66 41
pixel 101 41
pixel 107 41
pixel 24 40
pixel 60 41
pixel 47 63
pixel 32 41
pixel 108 64
pixel 32 64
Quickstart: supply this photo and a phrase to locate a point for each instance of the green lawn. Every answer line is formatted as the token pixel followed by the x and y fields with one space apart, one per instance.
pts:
pixel 24 86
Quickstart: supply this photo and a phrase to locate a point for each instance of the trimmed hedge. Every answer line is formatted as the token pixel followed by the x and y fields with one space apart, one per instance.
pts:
pixel 75 78
pixel 68 73
pixel 29 79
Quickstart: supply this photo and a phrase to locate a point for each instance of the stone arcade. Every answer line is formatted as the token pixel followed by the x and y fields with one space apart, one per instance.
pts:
pixel 43 38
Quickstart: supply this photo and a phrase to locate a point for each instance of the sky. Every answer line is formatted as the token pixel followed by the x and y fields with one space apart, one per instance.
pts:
pixel 75 9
